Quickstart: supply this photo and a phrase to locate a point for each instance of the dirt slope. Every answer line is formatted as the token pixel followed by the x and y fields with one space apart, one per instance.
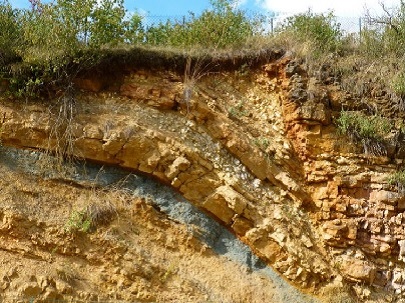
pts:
pixel 255 149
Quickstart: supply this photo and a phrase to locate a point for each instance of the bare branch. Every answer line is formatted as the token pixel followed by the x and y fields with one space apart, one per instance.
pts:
pixel 387 20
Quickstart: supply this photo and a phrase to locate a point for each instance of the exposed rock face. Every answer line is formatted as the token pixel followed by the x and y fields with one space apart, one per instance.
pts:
pixel 136 255
pixel 259 152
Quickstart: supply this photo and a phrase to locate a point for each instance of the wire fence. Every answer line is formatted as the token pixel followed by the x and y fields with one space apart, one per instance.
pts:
pixel 349 25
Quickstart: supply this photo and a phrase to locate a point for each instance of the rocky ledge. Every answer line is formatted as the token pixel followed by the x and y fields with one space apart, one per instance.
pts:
pixel 255 149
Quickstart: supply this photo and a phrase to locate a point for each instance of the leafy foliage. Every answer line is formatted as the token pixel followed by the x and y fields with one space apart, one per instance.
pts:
pixel 78 221
pixel 10 32
pixel 221 27
pixel 367 130
pixel 398 179
pixel 386 33
pixel 398 84
pixel 45 47
pixel 321 30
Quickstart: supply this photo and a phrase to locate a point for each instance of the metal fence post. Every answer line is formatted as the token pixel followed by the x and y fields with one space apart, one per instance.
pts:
pixel 272 25
pixel 360 29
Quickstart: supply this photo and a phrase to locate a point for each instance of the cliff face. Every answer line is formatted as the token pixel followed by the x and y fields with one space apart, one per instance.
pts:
pixel 255 149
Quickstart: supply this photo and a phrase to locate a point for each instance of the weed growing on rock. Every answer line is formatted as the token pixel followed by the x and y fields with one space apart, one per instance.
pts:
pixel 168 273
pixel 61 138
pixel 59 156
pixel 262 142
pixel 238 111
pixel 398 180
pixel 101 213
pixel 398 84
pixel 192 73
pixel 78 221
pixel 66 273
pixel 369 131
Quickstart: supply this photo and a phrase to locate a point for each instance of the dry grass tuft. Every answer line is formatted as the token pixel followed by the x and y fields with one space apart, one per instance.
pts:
pixel 101 213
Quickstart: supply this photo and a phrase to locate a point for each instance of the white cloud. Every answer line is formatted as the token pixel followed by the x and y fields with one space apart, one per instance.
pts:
pixel 342 8
pixel 239 3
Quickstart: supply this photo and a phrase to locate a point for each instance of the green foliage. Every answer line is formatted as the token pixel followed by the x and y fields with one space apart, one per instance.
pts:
pixel 107 25
pixel 93 23
pixel 218 28
pixel 42 49
pixel 398 180
pixel 134 30
pixel 363 126
pixel 78 221
pixel 321 30
pixel 238 111
pixel 386 34
pixel 262 142
pixel 45 47
pixel 368 130
pixel 398 84
pixel 9 33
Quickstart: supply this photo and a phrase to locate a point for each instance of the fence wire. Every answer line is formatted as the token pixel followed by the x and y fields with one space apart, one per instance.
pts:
pixel 349 25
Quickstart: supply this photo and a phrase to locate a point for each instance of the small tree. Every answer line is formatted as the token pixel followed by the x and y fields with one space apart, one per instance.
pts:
pixel 217 28
pixel 319 29
pixel 387 30
pixel 107 23
pixel 10 32
pixel 93 22
pixel 134 29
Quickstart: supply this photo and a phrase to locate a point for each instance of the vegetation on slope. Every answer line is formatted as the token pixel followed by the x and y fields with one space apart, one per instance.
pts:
pixel 42 49
pixel 49 43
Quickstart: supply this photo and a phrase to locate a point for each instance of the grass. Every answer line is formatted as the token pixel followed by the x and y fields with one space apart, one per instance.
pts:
pixel 98 210
pixel 78 221
pixel 398 180
pixel 238 111
pixel 66 273
pixel 370 131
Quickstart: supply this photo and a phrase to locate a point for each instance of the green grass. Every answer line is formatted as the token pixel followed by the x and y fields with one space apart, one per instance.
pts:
pixel 78 221
pixel 398 179
pixel 370 131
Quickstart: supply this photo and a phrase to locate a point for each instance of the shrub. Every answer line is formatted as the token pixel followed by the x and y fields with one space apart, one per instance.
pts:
pixel 134 30
pixel 367 130
pixel 398 179
pixel 219 28
pixel 10 32
pixel 321 30
pixel 398 84
pixel 93 22
pixel 52 42
pixel 101 213
pixel 78 221
pixel 385 35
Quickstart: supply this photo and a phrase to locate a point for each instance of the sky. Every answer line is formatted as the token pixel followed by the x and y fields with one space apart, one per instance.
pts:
pixel 342 8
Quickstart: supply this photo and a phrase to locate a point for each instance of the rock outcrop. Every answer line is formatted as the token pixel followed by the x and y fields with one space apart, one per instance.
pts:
pixel 257 150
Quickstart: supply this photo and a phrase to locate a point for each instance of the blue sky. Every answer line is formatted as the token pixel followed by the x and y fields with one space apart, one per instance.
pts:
pixel 179 7
pixel 161 7
pixel 343 8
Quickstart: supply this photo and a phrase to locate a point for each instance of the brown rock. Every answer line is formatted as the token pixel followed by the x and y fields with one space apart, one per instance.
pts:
pixel 225 203
pixel 179 165
pixel 241 225
pixel 358 270
pixel 30 289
